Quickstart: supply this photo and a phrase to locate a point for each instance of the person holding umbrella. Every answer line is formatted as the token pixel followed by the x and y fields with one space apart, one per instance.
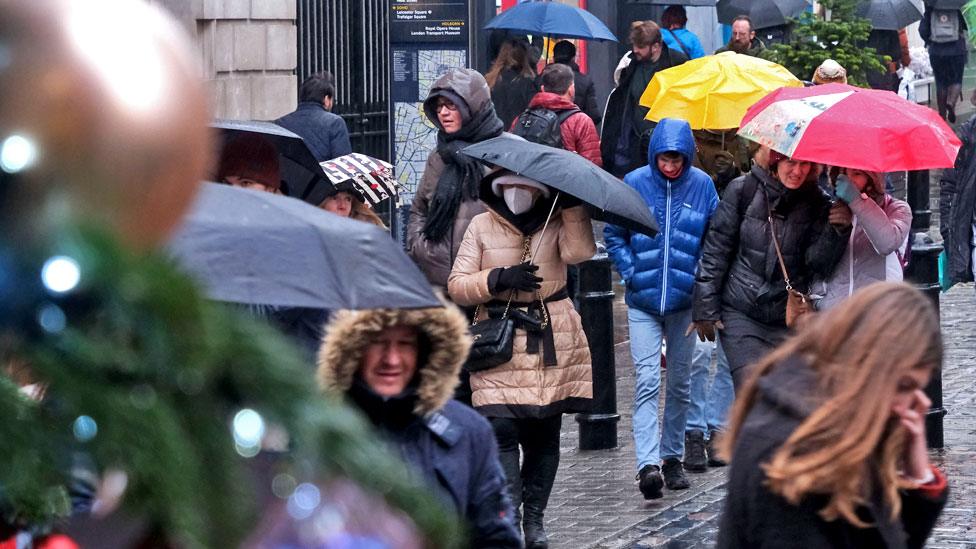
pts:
pixel 351 204
pixel 459 104
pixel 743 39
pixel 249 161
pixel 944 32
pixel 659 273
pixel 827 438
pixel 740 287
pixel 512 80
pixel 876 250
pixel 515 255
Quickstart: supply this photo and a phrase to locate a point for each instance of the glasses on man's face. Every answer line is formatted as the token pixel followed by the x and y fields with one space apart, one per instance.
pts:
pixel 451 107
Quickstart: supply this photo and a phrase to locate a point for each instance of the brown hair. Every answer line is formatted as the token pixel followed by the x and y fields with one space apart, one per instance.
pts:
pixel 513 55
pixel 849 444
pixel 644 33
pixel 674 15
pixel 557 78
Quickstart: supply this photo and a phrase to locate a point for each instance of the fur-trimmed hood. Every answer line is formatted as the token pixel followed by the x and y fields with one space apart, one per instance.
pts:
pixel 349 332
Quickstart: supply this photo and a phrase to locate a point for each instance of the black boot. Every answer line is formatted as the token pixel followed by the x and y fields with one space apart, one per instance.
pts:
pixel 510 466
pixel 538 475
pixel 674 475
pixel 695 460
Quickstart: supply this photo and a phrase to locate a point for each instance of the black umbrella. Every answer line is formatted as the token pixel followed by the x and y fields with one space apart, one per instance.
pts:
pixel 300 170
pixel 255 247
pixel 763 13
pixel 949 4
pixel 611 199
pixel 703 3
pixel 890 14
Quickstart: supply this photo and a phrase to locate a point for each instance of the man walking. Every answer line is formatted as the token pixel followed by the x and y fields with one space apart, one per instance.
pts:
pixel 660 273
pixel 554 105
pixel 624 124
pixel 324 133
pixel 585 96
pixel 743 39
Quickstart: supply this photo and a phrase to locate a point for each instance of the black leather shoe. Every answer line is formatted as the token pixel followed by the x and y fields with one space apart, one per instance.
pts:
pixel 695 460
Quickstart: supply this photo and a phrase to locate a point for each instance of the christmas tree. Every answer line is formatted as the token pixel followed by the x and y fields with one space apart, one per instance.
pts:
pixel 833 33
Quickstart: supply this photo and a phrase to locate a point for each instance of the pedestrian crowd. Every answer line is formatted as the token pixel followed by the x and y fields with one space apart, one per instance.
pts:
pixel 772 282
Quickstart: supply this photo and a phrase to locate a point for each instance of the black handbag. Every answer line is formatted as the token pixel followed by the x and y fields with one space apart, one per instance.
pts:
pixel 493 338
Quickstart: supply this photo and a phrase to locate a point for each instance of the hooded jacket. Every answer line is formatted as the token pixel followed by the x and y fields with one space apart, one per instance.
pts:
pixel 436 258
pixel 325 133
pixel 660 272
pixel 753 517
pixel 525 386
pixel 448 444
pixel 739 267
pixel 957 205
pixel 578 132
pixel 874 251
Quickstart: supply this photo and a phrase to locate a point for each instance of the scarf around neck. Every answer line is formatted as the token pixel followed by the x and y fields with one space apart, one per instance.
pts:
pixel 459 180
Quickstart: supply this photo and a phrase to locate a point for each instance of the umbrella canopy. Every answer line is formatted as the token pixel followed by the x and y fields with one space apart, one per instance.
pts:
pixel 713 92
pixel 763 13
pixel 948 4
pixel 612 200
pixel 543 18
pixel 701 3
pixel 255 247
pixel 371 177
pixel 299 168
pixel 841 125
pixel 890 14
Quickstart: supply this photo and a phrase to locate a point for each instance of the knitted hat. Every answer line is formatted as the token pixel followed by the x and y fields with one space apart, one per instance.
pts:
pixel 252 157
pixel 513 179
pixel 828 72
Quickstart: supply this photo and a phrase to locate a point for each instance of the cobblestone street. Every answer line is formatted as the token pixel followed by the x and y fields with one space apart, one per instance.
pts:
pixel 595 502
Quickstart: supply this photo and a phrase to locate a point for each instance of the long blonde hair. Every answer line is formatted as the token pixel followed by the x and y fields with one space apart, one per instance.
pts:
pixel 849 446
pixel 512 55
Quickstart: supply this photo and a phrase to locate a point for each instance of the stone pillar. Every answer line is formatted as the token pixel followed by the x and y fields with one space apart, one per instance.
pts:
pixel 249 51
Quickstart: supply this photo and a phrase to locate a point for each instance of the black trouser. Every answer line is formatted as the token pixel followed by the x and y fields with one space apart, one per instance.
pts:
pixel 746 341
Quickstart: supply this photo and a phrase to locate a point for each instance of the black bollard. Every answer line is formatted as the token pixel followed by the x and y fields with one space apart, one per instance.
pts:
pixel 598 429
pixel 923 273
pixel 919 199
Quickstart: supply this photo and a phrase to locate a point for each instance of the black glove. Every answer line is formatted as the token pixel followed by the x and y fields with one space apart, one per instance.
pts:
pixel 519 277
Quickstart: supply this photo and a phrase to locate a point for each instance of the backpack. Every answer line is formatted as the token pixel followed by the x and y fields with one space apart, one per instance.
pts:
pixel 944 26
pixel 541 125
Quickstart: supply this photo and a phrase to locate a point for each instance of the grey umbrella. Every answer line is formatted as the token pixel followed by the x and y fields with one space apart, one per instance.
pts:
pixel 948 4
pixel 255 247
pixel 703 3
pixel 611 199
pixel 890 14
pixel 763 13
pixel 300 170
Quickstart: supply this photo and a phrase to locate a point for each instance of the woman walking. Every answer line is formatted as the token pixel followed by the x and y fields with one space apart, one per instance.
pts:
pixel 740 287
pixel 512 80
pixel 827 438
pixel 511 255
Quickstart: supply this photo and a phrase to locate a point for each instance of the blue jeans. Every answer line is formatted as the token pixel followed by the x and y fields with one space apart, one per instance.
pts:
pixel 709 402
pixel 646 333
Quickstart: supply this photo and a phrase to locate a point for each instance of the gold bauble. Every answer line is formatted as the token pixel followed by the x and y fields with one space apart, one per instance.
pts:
pixel 103 118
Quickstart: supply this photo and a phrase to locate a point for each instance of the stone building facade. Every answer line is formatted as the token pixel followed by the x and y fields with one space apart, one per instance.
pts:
pixel 248 51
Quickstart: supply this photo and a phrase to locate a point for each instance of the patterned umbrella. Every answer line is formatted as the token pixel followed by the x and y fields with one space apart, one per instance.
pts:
pixel 371 177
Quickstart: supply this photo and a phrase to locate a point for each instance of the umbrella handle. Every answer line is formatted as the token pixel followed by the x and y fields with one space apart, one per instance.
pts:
pixel 544 227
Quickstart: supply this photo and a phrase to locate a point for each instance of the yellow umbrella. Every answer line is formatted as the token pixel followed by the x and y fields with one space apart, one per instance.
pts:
pixel 713 92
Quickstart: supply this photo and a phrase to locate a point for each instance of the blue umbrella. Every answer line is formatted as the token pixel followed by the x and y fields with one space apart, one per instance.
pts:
pixel 552 19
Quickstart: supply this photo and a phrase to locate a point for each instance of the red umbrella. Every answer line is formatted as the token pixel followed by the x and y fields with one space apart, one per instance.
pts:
pixel 841 125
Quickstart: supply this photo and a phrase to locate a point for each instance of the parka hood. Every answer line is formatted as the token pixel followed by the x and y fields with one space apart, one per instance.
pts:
pixel 671 134
pixel 447 344
pixel 467 84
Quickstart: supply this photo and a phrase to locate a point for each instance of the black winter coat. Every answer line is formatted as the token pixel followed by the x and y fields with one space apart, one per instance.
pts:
pixel 754 518
pixel 618 115
pixel 325 133
pixel 511 95
pixel 957 204
pixel 585 97
pixel 739 267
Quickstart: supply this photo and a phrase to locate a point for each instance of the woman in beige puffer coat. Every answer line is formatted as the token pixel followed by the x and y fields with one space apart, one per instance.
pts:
pixel 550 371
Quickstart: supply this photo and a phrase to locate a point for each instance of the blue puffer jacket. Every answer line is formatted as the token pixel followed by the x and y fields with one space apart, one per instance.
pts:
pixel 660 271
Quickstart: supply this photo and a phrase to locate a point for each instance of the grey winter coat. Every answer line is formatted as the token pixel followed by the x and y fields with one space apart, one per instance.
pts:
pixel 325 133
pixel 957 204
pixel 435 259
pixel 446 443
pixel 874 250
pixel 739 268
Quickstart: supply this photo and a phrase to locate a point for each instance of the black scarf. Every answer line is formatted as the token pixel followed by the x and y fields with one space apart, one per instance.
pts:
pixel 459 181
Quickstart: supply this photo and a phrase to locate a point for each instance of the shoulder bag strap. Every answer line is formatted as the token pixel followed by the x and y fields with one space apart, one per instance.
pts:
pixel 680 43
pixel 779 253
pixel 526 246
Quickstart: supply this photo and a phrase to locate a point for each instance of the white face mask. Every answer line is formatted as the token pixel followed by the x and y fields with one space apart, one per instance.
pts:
pixel 519 200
